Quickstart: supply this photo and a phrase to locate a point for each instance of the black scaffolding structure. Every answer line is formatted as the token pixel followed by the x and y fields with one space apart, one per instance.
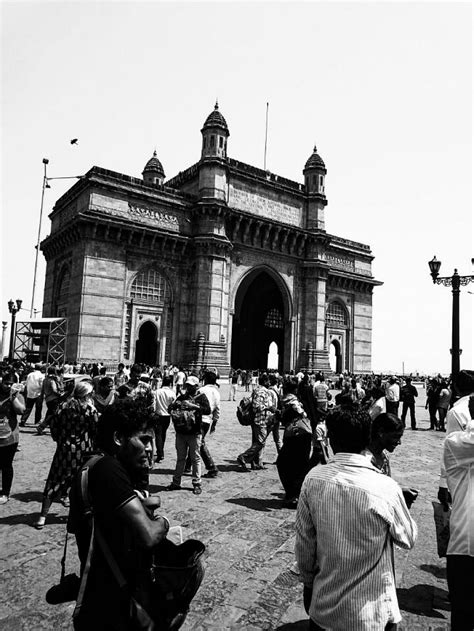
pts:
pixel 41 340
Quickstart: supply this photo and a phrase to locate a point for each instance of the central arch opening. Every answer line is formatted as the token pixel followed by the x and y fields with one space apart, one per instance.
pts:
pixel 259 324
pixel 146 351
pixel 335 356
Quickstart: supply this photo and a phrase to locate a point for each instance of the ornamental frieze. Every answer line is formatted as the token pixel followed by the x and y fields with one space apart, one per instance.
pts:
pixel 164 220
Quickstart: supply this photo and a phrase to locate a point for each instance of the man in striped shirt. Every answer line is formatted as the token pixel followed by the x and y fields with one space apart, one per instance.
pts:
pixel 349 516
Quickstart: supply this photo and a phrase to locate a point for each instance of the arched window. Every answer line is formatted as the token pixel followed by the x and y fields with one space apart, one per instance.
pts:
pixel 336 314
pixel 274 319
pixel 62 293
pixel 150 286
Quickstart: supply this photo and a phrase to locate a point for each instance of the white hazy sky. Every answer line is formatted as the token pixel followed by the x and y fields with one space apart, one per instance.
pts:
pixel 383 89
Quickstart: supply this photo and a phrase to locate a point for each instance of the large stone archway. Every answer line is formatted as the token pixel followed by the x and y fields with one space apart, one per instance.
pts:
pixel 261 317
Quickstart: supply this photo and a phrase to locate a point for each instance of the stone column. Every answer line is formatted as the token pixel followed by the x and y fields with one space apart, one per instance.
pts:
pixel 313 354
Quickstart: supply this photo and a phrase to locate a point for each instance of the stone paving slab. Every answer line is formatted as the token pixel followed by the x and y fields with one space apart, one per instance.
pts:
pixel 249 536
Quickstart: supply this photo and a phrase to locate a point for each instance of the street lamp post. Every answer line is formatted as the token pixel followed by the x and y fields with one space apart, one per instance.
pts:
pixel 455 281
pixel 13 309
pixel 46 181
pixel 38 241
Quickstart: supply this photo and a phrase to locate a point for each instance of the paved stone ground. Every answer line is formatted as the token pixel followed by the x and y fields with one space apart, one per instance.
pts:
pixel 249 536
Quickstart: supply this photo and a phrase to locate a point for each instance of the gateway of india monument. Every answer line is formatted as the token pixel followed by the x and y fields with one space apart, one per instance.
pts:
pixel 219 266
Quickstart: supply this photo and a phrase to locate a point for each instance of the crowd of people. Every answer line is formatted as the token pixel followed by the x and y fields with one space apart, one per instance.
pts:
pixel 350 512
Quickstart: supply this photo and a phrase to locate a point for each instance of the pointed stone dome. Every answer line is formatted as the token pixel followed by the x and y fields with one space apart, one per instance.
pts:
pixel 154 166
pixel 215 119
pixel 314 160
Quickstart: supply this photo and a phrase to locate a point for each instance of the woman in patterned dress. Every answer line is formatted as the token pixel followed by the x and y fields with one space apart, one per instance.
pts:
pixel 74 430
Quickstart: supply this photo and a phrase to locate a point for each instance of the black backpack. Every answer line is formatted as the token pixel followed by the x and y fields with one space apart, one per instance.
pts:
pixel 245 412
pixel 185 419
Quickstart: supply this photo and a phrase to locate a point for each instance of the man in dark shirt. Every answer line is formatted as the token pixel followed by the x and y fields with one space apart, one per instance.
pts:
pixel 121 514
pixel 408 393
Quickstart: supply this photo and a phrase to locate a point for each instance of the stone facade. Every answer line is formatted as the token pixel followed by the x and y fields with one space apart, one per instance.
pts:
pixel 208 268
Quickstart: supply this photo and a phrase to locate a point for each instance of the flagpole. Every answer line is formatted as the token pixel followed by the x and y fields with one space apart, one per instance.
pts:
pixel 266 137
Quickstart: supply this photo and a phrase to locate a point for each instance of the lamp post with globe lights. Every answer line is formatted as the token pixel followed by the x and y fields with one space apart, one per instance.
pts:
pixel 13 309
pixel 455 281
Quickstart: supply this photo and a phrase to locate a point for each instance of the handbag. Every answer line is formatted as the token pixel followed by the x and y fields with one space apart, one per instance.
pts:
pixel 175 574
pixel 68 587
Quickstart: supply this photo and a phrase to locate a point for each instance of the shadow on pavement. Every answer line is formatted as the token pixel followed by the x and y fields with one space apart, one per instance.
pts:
pixel 301 625
pixel 419 600
pixel 230 467
pixel 30 496
pixel 156 469
pixel 439 572
pixel 29 519
pixel 257 504
pixel 158 488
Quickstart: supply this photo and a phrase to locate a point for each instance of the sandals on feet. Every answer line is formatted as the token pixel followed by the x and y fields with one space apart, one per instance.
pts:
pixel 39 525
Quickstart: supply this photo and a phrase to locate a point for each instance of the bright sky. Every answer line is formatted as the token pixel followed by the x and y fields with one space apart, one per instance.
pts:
pixel 383 89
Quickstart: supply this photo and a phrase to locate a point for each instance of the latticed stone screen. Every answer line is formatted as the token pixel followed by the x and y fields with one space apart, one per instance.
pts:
pixel 336 314
pixel 150 286
pixel 274 319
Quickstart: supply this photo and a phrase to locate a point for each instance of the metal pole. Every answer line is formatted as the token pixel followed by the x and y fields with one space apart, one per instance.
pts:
pixel 266 136
pixel 45 162
pixel 455 350
pixel 12 336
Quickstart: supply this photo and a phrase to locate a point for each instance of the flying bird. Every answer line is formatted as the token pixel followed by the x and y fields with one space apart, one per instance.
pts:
pixel 74 141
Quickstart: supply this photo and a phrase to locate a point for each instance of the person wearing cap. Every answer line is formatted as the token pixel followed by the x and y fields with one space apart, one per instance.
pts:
pixel 74 430
pixel 34 398
pixel 190 441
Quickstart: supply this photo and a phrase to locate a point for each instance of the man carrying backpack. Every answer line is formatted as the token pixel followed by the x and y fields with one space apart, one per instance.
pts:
pixel 122 518
pixel 186 413
pixel 263 408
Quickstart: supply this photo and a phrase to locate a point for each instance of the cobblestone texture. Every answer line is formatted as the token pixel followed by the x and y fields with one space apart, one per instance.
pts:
pixel 248 534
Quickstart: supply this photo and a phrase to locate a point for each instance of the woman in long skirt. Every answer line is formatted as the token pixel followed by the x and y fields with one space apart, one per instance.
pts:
pixel 74 430
pixel 293 459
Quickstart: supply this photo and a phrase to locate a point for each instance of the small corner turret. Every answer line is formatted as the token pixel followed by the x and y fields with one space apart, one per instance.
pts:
pixel 153 172
pixel 214 135
pixel 212 167
pixel 314 178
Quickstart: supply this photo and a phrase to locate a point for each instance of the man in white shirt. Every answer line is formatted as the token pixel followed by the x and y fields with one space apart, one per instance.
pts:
pixel 349 517
pixel 180 378
pixel 34 395
pixel 392 396
pixel 321 392
pixel 209 421
pixel 456 419
pixel 164 397
pixel 458 457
